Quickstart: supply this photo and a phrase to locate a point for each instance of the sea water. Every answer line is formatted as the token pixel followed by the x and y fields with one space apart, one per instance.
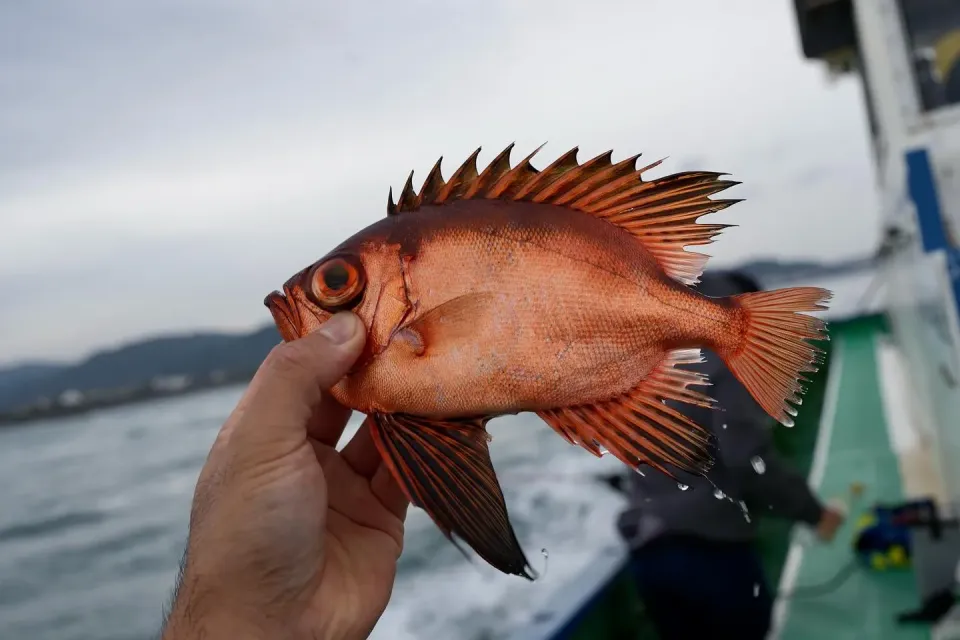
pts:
pixel 94 508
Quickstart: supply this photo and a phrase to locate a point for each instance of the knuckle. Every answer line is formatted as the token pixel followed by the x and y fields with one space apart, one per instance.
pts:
pixel 308 359
pixel 287 359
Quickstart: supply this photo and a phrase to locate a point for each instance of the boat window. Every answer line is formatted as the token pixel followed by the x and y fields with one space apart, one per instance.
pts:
pixel 933 39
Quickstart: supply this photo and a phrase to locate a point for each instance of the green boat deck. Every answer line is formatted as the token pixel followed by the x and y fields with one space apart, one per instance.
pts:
pixel 853 446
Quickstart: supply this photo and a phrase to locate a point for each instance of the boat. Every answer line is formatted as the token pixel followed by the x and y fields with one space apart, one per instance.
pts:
pixel 881 420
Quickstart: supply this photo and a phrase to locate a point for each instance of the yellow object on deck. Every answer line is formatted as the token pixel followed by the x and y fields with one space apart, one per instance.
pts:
pixel 947 53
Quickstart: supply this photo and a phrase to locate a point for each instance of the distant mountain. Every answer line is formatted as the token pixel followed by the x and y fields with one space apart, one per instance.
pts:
pixel 134 365
pixel 27 372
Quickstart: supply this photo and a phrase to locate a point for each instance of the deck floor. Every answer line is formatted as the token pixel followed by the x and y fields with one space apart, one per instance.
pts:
pixel 853 446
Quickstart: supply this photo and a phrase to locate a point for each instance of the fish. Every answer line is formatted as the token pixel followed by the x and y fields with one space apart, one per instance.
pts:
pixel 566 292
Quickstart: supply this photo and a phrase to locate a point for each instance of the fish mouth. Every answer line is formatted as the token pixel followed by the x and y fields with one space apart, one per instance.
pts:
pixel 283 309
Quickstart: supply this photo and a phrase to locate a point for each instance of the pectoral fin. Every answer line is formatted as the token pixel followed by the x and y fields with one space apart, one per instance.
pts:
pixel 446 324
pixel 444 468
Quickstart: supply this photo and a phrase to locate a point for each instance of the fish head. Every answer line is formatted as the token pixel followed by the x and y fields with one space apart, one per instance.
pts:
pixel 364 277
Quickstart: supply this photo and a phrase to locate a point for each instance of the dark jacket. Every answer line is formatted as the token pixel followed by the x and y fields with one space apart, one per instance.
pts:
pixel 747 481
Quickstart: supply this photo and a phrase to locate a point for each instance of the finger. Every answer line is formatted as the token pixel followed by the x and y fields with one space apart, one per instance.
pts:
pixel 328 421
pixel 361 453
pixel 216 456
pixel 290 384
pixel 235 416
pixel 388 492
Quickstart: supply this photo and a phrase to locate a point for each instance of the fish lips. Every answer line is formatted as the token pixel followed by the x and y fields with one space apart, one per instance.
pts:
pixel 285 314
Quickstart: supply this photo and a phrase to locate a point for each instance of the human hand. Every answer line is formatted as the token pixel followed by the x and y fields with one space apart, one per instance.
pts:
pixel 830 520
pixel 290 538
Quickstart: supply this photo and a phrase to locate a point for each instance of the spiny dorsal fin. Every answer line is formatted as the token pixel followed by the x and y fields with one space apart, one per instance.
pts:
pixel 560 166
pixel 507 185
pixel 662 213
pixel 408 197
pixel 497 167
pixel 460 180
pixel 391 207
pixel 433 183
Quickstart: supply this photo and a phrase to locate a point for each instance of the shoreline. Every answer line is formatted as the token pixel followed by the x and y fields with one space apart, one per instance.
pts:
pixel 140 394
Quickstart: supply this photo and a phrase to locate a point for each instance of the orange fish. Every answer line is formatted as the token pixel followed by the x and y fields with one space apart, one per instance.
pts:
pixel 564 292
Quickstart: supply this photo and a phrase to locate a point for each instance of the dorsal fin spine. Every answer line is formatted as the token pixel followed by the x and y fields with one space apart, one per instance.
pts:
pixel 553 172
pixel 586 169
pixel 463 176
pixel 510 178
pixel 432 185
pixel 391 207
pixel 497 167
pixel 618 181
pixel 602 176
pixel 408 197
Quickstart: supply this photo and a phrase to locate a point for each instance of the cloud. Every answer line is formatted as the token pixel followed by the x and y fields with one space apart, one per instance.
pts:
pixel 163 165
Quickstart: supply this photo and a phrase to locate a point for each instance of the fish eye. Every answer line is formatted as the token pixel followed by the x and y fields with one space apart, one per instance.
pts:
pixel 338 283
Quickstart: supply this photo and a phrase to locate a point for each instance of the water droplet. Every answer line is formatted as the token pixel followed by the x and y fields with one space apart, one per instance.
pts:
pixel 682 486
pixel 546 556
pixel 758 464
pixel 746 514
pixel 724 425
pixel 718 494
pixel 756 590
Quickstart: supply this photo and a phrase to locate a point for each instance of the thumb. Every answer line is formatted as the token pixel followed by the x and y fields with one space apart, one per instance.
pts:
pixel 290 383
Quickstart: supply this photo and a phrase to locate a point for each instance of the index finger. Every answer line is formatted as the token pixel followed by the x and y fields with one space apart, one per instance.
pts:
pixel 328 421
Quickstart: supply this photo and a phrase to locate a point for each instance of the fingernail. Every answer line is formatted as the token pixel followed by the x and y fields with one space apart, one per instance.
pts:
pixel 340 328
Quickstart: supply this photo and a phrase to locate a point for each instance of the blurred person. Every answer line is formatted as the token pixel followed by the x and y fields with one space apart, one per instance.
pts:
pixel 290 538
pixel 692 547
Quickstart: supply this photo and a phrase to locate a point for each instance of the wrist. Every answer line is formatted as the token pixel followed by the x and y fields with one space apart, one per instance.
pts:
pixel 194 618
pixel 222 625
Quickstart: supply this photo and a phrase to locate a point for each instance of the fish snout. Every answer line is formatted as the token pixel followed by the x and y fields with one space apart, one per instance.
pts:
pixel 285 315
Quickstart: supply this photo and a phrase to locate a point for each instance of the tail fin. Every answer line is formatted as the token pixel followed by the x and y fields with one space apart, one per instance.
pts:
pixel 771 353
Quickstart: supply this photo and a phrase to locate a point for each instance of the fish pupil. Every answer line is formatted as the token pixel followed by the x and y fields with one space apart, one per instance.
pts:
pixel 336 277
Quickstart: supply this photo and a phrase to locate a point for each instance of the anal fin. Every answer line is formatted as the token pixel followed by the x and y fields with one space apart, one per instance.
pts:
pixel 444 468
pixel 638 427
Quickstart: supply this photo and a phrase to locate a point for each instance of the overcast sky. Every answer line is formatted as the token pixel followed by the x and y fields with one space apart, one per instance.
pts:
pixel 164 165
